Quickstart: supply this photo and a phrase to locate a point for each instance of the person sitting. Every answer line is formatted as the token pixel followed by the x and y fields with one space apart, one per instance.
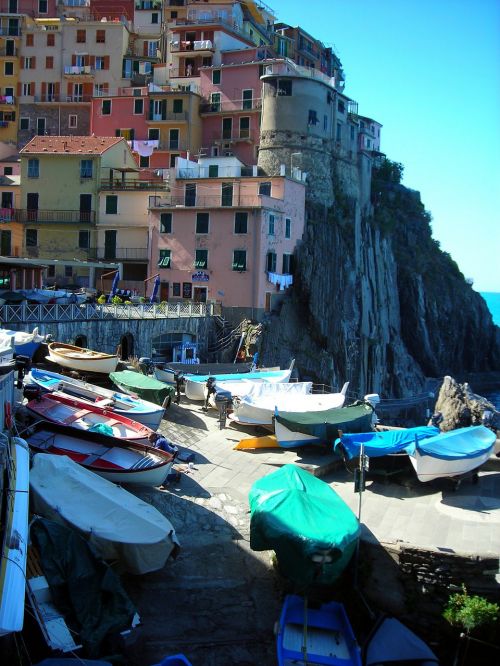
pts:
pixel 159 441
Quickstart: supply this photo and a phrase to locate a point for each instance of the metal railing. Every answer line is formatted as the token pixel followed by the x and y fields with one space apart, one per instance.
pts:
pixel 38 314
pixel 54 216
pixel 231 105
pixel 214 201
pixel 169 115
pixel 119 253
pixel 136 184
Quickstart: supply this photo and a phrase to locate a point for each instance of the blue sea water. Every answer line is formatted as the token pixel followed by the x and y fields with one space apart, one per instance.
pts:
pixel 492 299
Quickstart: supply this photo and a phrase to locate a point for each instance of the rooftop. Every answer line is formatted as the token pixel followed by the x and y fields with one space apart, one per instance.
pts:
pixel 76 145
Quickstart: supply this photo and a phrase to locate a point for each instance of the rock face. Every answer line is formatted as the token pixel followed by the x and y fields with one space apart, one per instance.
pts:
pixel 375 301
pixel 459 407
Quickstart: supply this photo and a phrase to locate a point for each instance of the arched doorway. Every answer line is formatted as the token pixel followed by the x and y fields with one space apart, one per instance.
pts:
pixel 126 347
pixel 81 341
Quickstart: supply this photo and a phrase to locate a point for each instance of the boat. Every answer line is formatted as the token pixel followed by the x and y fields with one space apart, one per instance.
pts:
pixel 25 344
pixel 452 454
pixel 134 407
pixel 114 459
pixel 117 524
pixel 391 642
pixel 323 635
pixel 81 415
pixel 258 407
pixel 311 529
pixel 195 385
pixel 83 360
pixel 7 351
pixel 143 386
pixel 294 429
pixel 380 443
pixel 14 469
pixel 174 660
pixel 167 372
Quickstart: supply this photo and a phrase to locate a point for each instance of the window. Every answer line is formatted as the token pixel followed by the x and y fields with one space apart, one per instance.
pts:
pixel 265 188
pixel 8 69
pixel 187 290
pixel 176 289
pixel 165 223
pixel 247 99
pixel 153 134
pixel 81 36
pixel 33 168
pixel 173 15
pixel 144 161
pixel 271 262
pixel 312 118
pixel 49 62
pixel 226 194
pixel 30 38
pixel 173 157
pixel 239 260
pixel 29 62
pixel 202 223
pixel 42 6
pixel 100 36
pixel 99 63
pixel 213 170
pixel 201 259
pixel 288 227
pixel 164 258
pixel 68 271
pixel 24 123
pixel 31 238
pixel 7 171
pixel 111 204
pixel 26 89
pixel 288 264
pixel 284 88
pixel 154 18
pixel 72 121
pixel 338 136
pixel 270 228
pixel 173 139
pixel 341 106
pixel 190 194
pixel 51 39
pixel 244 128
pixel 325 123
pixel 84 239
pixel 106 107
pixel 227 128
pixel 85 168
pixel 177 106
pixel 216 76
pixel 215 102
pixel 240 222
pixel 138 107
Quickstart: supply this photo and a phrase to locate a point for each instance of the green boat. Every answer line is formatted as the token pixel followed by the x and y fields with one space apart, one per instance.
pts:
pixel 310 528
pixel 147 388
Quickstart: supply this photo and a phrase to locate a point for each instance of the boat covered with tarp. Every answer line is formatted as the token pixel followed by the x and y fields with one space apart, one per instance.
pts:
pixel 313 427
pixel 147 388
pixel 382 443
pixel 311 529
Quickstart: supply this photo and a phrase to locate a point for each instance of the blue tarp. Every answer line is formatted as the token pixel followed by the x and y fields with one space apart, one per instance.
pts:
pixel 468 442
pixel 378 444
pixel 392 642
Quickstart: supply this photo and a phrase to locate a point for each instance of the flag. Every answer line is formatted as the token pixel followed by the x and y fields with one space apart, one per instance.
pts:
pixel 114 286
pixel 154 293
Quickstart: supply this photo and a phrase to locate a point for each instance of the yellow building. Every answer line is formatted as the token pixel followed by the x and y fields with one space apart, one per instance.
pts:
pixel 10 36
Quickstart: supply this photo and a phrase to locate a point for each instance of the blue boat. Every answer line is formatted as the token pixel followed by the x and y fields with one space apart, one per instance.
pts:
pixel 307 636
pixel 174 660
pixel 382 443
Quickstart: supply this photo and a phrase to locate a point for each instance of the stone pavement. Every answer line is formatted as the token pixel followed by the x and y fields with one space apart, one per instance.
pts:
pixel 217 603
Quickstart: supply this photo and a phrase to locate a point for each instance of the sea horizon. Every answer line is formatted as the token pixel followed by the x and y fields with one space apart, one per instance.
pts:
pixel 492 299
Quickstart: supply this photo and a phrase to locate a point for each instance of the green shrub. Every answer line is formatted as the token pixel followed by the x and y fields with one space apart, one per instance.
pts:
pixel 102 299
pixel 116 300
pixel 470 612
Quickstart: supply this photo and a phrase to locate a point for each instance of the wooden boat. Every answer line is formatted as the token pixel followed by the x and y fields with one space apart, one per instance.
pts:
pixel 14 469
pixel 83 360
pixel 147 388
pixel 259 406
pixel 125 404
pixel 320 635
pixel 25 344
pixel 452 454
pixel 166 372
pixel 82 415
pixel 114 459
pixel 391 642
pixel 311 529
pixel 116 523
pixel 294 429
pixel 194 385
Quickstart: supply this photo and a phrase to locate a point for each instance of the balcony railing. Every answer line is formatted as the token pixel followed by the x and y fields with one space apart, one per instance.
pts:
pixel 231 105
pixel 234 137
pixel 208 201
pixel 78 70
pixel 137 184
pixel 119 254
pixel 196 46
pixel 54 216
pixel 176 117
pixel 10 31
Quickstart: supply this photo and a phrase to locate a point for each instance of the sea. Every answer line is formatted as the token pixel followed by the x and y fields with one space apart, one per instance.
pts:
pixel 492 299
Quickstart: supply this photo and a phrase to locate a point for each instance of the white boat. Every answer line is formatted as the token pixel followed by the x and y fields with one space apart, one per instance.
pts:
pixel 134 407
pixel 116 523
pixel 258 407
pixel 166 372
pixel 194 387
pixel 453 453
pixel 14 466
pixel 7 350
pixel 25 344
pixel 84 360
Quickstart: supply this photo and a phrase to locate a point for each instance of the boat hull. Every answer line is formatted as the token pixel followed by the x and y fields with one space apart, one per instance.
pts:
pixel 168 371
pixel 83 360
pixel 194 387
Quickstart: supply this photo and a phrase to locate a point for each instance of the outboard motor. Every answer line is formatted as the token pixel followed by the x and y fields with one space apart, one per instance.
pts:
pixel 223 400
pixel 23 365
pixel 179 381
pixel 145 365
pixel 32 392
pixel 209 390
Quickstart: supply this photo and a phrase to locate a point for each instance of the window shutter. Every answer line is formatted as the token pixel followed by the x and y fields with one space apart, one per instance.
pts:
pixel 21 63
pixel 106 62
pixel 70 89
pixel 145 48
pixel 73 60
pixel 58 88
pixel 19 89
pixel 88 89
pixel 92 61
pixel 163 109
pixel 33 62
pixel 44 88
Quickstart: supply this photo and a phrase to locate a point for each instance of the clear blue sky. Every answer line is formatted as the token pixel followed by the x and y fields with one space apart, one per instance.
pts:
pixel 429 71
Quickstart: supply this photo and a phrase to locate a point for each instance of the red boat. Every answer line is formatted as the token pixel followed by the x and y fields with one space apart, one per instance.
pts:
pixel 81 415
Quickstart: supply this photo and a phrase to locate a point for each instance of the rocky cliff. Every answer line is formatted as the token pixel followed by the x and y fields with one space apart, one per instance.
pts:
pixel 375 301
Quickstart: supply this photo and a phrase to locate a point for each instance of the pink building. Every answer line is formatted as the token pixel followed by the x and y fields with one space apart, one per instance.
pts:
pixel 227 235
pixel 231 111
pixel 33 8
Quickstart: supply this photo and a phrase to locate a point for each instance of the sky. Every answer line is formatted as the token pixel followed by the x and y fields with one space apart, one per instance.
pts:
pixel 429 71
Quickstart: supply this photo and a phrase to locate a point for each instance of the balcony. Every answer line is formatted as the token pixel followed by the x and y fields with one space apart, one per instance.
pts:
pixel 133 184
pixel 69 99
pixel 208 201
pixel 198 46
pixel 54 216
pixel 119 254
pixel 10 30
pixel 245 136
pixel 180 117
pixel 80 72
pixel 231 105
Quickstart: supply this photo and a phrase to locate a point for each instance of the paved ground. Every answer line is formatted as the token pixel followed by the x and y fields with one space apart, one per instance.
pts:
pixel 217 603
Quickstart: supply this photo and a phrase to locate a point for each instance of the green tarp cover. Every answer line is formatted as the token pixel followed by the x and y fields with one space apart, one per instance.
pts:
pixel 326 424
pixel 87 592
pixel 147 388
pixel 302 519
